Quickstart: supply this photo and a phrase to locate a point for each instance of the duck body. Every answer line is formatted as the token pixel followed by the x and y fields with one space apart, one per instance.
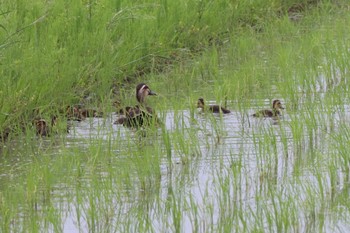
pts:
pixel 267 113
pixel 42 127
pixel 274 112
pixel 139 115
pixel 218 109
pixel 211 108
pixel 136 117
pixel 78 113
pixel 73 113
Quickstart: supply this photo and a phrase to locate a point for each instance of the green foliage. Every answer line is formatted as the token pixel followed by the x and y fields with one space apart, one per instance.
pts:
pixel 213 173
pixel 53 53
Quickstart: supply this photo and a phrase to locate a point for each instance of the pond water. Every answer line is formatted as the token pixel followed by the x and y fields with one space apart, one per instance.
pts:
pixel 232 172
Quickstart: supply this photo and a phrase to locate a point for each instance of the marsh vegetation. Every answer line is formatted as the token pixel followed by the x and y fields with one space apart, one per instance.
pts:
pixel 198 172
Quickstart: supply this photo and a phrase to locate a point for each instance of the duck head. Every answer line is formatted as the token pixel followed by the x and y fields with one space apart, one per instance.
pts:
pixel 277 105
pixel 200 103
pixel 142 91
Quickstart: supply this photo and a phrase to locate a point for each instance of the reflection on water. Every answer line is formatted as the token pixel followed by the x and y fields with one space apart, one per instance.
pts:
pixel 215 169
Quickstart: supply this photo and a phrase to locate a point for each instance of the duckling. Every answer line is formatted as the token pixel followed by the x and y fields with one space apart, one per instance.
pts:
pixel 73 113
pixel 42 127
pixel 212 108
pixel 87 112
pixel 274 112
pixel 123 111
pixel 78 113
pixel 140 115
pixel 45 129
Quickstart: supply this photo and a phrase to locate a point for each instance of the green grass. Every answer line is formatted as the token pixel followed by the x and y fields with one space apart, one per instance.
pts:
pixel 55 53
pixel 206 173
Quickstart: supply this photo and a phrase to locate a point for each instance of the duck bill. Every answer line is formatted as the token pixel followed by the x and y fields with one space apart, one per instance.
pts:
pixel 151 93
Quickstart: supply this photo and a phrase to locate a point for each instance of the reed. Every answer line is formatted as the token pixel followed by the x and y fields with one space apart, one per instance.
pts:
pixel 196 172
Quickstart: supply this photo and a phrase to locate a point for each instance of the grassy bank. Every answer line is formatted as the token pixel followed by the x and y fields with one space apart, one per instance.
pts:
pixel 55 53
pixel 200 172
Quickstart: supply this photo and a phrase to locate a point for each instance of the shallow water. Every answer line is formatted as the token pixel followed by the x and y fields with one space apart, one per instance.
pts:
pixel 218 169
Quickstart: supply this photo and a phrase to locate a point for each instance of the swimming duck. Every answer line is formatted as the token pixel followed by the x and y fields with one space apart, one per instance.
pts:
pixel 73 113
pixel 140 115
pixel 78 113
pixel 274 112
pixel 212 108
pixel 42 127
pixel 87 112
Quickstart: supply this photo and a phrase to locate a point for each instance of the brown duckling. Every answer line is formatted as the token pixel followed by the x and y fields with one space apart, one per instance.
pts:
pixel 140 115
pixel 274 112
pixel 211 108
pixel 124 111
pixel 86 112
pixel 45 129
pixel 78 113
pixel 42 127
pixel 73 113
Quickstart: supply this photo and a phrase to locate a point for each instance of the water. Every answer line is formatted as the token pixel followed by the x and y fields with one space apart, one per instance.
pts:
pixel 222 168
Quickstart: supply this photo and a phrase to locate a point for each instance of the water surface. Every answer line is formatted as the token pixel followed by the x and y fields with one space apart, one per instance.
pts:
pixel 216 172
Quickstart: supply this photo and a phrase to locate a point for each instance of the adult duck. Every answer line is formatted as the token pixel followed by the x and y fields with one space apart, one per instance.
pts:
pixel 140 115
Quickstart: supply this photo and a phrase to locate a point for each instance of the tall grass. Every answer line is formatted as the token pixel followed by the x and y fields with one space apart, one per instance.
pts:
pixel 205 173
pixel 56 53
